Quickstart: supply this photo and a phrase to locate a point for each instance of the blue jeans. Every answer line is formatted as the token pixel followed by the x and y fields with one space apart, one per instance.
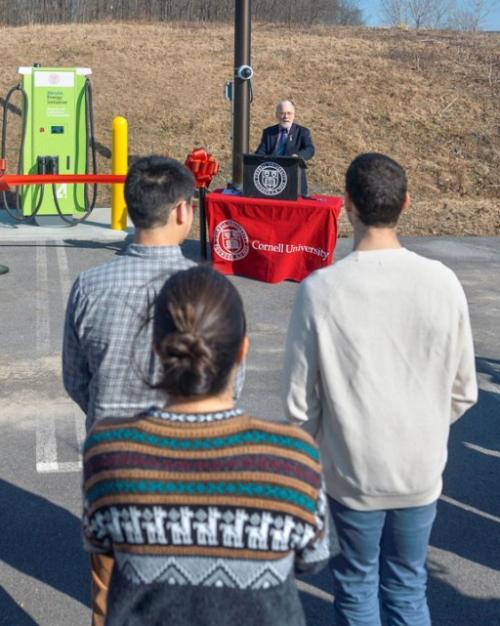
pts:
pixel 381 565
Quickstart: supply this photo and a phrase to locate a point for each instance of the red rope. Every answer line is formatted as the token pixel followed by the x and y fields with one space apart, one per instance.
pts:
pixel 13 180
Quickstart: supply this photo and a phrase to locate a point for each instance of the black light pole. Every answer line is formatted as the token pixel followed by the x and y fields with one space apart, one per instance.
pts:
pixel 241 92
pixel 202 194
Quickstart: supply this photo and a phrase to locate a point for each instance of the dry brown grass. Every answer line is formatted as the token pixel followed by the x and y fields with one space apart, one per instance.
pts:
pixel 429 99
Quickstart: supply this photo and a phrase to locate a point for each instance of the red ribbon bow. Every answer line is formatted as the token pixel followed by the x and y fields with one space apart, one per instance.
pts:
pixel 203 166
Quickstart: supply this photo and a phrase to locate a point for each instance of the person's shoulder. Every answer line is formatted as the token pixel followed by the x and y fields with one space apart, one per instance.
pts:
pixel 436 277
pixel 94 279
pixel 132 269
pixel 269 130
pixel 434 268
pixel 326 287
pixel 102 429
pixel 100 273
pixel 284 434
pixel 324 276
pixel 300 128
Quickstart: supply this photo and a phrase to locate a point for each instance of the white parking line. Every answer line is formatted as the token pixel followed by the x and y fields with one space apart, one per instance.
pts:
pixel 46 441
pixel 482 450
pixel 486 384
pixel 65 467
pixel 46 444
pixel 268 349
pixel 314 591
pixel 62 261
pixel 470 509
pixel 42 302
pixel 79 430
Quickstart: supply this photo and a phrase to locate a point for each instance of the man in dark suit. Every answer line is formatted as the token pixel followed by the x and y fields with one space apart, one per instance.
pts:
pixel 287 139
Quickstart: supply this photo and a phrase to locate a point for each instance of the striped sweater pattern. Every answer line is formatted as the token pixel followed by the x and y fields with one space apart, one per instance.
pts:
pixel 210 487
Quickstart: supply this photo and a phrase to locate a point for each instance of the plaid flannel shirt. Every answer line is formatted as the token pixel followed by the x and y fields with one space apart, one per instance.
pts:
pixel 107 352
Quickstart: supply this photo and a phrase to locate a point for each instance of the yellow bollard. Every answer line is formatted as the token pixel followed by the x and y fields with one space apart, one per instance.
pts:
pixel 119 165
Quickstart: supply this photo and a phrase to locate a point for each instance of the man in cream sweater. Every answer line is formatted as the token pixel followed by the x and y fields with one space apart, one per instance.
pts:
pixel 379 362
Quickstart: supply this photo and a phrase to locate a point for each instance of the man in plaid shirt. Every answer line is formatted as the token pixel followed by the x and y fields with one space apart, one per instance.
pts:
pixel 107 355
pixel 107 340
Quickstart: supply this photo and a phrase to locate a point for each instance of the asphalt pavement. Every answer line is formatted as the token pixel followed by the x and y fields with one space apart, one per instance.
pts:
pixel 43 570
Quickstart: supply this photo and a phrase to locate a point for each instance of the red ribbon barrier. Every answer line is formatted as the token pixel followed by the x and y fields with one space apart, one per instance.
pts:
pixel 203 166
pixel 8 180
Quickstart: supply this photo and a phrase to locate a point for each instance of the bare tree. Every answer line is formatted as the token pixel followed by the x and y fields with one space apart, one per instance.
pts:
pixel 471 15
pixel 342 12
pixel 74 10
pixel 349 14
pixel 394 12
pixel 284 11
pixel 418 13
pixel 443 13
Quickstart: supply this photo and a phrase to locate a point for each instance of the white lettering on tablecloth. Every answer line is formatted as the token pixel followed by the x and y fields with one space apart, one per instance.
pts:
pixel 289 248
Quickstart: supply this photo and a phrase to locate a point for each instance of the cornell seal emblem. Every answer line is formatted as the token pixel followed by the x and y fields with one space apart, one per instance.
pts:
pixel 270 178
pixel 230 241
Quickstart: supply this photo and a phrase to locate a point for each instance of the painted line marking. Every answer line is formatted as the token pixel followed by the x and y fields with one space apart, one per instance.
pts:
pixel 485 384
pixel 470 509
pixel 486 451
pixel 46 443
pixel 62 261
pixel 314 591
pixel 59 468
pixel 268 350
pixel 79 430
pixel 42 302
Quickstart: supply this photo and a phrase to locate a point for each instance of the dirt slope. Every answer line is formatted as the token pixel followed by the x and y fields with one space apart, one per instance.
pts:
pixel 429 99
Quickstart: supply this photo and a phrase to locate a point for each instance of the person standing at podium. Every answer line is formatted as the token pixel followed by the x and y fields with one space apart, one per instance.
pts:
pixel 287 139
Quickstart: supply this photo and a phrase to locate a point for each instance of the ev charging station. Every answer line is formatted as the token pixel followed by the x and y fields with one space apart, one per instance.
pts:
pixel 57 138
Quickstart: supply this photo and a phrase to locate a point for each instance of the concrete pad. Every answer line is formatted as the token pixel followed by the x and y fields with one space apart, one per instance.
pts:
pixel 96 228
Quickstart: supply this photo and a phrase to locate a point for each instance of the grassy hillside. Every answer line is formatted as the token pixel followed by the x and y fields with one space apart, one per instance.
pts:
pixel 429 99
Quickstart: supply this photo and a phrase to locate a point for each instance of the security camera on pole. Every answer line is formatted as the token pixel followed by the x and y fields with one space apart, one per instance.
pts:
pixel 245 72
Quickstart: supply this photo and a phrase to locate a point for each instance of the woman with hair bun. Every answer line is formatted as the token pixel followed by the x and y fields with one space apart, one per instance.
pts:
pixel 206 511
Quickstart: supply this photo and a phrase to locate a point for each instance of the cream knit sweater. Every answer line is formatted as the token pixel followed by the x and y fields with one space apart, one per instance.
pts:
pixel 379 362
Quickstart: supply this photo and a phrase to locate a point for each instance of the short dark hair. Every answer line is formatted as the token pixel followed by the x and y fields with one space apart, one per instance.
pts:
pixel 377 186
pixel 198 328
pixel 153 187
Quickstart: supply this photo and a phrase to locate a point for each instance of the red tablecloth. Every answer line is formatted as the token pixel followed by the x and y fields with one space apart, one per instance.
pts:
pixel 271 240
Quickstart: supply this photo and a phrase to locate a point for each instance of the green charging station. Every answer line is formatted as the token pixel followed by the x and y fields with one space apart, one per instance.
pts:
pixel 57 137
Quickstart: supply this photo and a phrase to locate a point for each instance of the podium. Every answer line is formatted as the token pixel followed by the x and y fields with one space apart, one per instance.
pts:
pixel 272 177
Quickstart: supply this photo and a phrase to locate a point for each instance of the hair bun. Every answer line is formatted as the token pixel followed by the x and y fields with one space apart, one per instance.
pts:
pixel 187 360
pixel 185 345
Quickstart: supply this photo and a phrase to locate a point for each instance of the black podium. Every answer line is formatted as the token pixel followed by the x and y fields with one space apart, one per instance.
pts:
pixel 272 176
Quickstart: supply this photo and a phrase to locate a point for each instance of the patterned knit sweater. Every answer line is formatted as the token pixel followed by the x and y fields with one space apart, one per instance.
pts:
pixel 206 515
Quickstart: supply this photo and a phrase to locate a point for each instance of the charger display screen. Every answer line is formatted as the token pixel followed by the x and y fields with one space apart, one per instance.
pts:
pixel 57 130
